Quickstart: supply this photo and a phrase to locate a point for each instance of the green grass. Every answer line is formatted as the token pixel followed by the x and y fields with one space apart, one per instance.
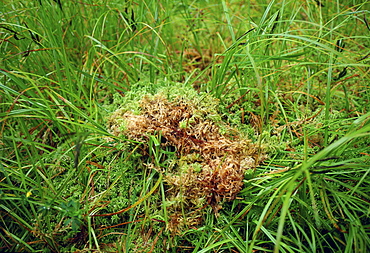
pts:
pixel 291 75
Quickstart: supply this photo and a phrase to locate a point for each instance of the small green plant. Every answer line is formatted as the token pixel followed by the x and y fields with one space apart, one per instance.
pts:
pixel 73 213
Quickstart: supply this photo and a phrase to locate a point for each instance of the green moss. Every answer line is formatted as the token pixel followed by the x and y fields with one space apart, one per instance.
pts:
pixel 210 155
pixel 207 104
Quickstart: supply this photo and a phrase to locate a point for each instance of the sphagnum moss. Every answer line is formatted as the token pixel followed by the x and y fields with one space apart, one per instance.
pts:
pixel 210 165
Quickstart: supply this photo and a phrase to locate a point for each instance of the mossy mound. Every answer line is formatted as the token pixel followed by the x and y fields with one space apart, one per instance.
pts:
pixel 211 157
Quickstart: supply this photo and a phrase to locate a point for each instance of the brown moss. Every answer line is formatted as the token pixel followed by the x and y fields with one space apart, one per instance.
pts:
pixel 211 165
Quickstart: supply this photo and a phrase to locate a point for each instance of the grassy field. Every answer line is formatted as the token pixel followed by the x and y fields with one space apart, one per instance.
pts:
pixel 185 126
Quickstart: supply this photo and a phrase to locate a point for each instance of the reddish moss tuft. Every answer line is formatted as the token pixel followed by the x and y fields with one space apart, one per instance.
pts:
pixel 211 165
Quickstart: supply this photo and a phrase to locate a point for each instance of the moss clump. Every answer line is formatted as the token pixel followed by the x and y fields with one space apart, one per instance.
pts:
pixel 212 157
